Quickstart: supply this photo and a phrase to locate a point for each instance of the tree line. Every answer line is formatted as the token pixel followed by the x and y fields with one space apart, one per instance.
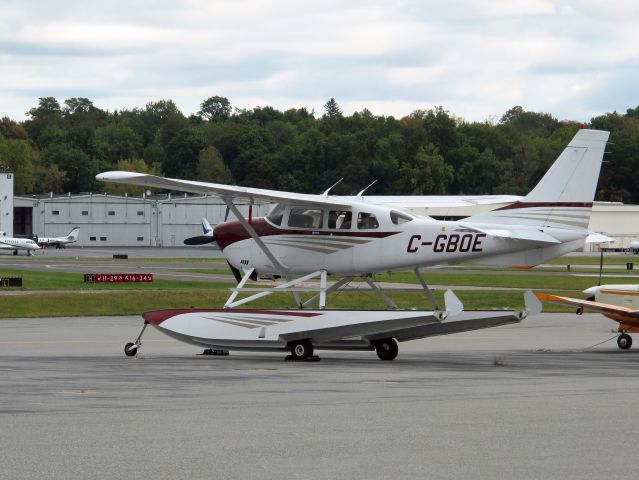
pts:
pixel 61 147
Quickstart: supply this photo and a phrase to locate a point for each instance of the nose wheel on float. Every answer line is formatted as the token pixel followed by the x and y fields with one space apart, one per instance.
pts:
pixel 131 348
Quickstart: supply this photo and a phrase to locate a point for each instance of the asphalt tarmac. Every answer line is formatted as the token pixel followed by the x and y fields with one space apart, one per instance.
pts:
pixel 527 401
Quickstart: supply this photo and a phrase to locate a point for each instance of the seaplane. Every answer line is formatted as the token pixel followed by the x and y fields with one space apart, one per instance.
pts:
pixel 308 237
pixel 17 244
pixel 617 302
pixel 60 242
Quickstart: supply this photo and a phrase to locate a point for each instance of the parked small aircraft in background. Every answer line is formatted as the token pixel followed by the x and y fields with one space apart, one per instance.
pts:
pixel 206 237
pixel 309 236
pixel 60 242
pixel 16 244
pixel 617 302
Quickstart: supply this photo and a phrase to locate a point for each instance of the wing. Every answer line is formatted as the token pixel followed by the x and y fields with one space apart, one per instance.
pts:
pixel 605 308
pixel 441 201
pixel 215 189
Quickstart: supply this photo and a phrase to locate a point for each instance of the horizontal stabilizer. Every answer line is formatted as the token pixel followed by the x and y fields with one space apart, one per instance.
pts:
pixel 532 235
pixel 599 238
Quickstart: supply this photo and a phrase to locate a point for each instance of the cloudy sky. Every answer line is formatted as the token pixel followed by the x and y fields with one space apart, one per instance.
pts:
pixel 574 59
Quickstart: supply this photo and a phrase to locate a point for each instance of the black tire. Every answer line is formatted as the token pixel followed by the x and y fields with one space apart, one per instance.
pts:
pixel 624 341
pixel 128 351
pixel 302 350
pixel 387 349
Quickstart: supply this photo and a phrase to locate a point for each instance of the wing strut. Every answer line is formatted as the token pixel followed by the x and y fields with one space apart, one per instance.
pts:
pixel 332 288
pixel 247 275
pixel 425 287
pixel 387 299
pixel 281 268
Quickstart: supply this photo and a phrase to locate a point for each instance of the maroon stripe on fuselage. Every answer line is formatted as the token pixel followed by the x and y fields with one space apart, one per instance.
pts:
pixel 156 317
pixel 228 233
pixel 517 205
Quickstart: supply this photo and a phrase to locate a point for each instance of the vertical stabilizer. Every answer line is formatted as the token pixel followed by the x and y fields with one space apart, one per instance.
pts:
pixel 563 197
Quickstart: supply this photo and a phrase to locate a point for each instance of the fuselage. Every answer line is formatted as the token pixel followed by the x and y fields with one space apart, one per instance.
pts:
pixel 15 244
pixel 370 238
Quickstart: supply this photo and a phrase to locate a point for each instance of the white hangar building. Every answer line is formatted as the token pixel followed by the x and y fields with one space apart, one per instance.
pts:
pixel 118 221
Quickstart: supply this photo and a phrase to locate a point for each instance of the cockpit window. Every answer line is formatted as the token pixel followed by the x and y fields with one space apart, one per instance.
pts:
pixel 275 216
pixel 398 218
pixel 340 219
pixel 367 221
pixel 305 218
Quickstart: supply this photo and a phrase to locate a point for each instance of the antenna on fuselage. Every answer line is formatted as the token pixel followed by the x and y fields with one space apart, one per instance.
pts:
pixel 366 188
pixel 331 187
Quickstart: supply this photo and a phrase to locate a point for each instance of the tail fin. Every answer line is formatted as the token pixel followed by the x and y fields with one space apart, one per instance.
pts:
pixel 73 234
pixel 563 197
pixel 206 227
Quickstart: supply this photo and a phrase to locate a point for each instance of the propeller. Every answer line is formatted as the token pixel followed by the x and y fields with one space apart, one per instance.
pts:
pixel 200 240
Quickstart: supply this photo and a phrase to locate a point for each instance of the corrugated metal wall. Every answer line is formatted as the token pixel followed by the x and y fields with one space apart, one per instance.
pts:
pixel 127 221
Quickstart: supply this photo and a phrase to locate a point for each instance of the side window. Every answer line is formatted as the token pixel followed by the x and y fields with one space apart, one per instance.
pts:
pixel 398 218
pixel 340 219
pixel 366 221
pixel 305 218
pixel 275 216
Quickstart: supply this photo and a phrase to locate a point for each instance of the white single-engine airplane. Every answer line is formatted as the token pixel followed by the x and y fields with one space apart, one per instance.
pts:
pixel 60 242
pixel 617 302
pixel 16 244
pixel 309 236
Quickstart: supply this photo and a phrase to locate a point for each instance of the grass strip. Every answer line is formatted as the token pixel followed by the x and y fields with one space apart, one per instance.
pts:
pixel 59 304
pixel 41 280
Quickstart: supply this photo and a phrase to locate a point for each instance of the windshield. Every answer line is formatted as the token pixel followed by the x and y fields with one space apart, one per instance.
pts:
pixel 275 216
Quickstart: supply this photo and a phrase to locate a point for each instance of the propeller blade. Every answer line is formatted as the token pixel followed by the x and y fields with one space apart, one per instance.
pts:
pixel 199 240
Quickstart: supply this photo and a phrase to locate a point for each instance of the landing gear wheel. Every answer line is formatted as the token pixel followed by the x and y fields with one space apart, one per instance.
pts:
pixel 387 349
pixel 624 341
pixel 302 350
pixel 130 349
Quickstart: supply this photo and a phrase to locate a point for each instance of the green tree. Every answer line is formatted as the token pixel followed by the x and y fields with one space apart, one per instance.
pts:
pixel 116 141
pixel 131 165
pixel 182 154
pixel 22 158
pixel 215 109
pixel 211 168
pixel 47 114
pixel 332 109
pixel 49 178
pixel 80 169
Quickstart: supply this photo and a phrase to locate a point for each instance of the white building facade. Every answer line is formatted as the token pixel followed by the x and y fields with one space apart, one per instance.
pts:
pixel 6 202
pixel 105 220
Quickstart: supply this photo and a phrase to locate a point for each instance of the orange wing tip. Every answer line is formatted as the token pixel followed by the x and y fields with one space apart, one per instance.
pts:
pixel 547 297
